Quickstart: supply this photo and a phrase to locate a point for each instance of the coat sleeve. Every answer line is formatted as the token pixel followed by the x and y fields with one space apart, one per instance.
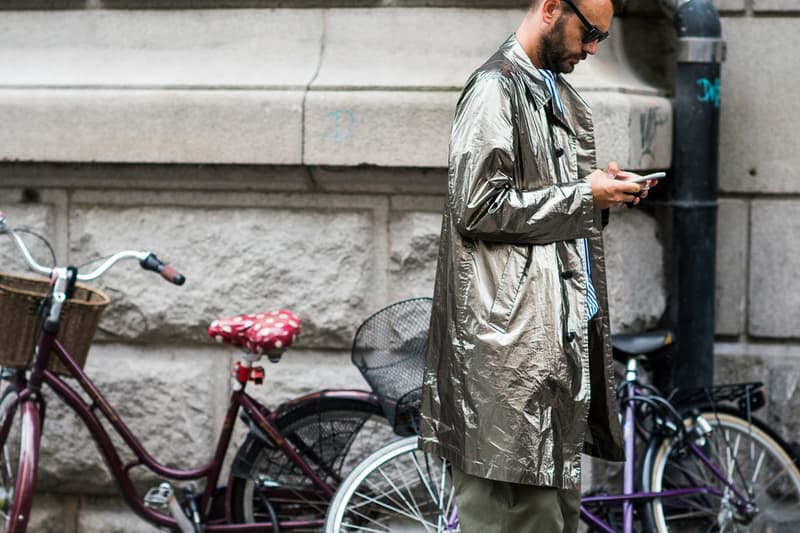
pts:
pixel 485 200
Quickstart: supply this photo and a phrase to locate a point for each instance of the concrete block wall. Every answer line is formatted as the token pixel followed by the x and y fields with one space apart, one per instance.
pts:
pixel 294 158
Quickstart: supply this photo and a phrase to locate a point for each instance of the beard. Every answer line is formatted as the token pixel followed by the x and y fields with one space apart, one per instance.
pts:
pixel 553 54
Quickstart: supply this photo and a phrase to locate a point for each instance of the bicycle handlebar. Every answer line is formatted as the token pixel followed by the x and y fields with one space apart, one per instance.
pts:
pixel 147 260
pixel 25 252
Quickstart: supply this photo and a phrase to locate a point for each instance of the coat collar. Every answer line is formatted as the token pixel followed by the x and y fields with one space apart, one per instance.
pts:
pixel 514 52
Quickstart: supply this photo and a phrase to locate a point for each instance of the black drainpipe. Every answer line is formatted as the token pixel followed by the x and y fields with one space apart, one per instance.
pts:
pixel 693 193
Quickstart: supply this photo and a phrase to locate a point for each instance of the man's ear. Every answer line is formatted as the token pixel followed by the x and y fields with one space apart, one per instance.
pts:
pixel 551 9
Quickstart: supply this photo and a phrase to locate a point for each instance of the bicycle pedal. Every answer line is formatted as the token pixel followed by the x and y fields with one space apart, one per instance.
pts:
pixel 158 497
pixel 163 497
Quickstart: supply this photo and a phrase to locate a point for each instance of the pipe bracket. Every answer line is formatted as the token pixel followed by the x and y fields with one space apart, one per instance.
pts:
pixel 701 50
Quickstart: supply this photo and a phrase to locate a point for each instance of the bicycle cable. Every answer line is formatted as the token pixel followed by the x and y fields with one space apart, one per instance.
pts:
pixel 41 307
pixel 51 250
pixel 29 231
pixel 663 408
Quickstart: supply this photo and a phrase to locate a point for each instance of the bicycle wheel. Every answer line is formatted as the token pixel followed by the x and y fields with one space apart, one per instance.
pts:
pixel 18 452
pixel 399 489
pixel 748 454
pixel 9 454
pixel 331 434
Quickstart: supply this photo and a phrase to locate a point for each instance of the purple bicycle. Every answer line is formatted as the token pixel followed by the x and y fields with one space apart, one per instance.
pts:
pixel 706 464
pixel 283 475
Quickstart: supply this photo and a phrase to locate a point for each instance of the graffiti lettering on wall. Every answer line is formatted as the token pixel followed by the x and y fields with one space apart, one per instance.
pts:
pixel 649 123
pixel 710 91
pixel 342 127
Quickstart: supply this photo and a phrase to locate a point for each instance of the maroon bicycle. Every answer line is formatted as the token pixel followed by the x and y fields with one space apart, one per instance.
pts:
pixel 282 476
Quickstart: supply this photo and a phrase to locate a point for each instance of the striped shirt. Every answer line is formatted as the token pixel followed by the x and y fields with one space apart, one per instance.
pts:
pixel 591 296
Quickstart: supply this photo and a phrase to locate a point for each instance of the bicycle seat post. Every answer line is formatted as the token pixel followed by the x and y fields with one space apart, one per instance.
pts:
pixel 632 369
pixel 629 436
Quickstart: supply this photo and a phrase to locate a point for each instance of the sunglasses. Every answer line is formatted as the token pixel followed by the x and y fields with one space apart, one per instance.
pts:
pixel 592 32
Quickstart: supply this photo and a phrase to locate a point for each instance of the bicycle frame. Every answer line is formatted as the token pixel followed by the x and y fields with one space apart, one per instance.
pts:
pixel 210 472
pixel 630 495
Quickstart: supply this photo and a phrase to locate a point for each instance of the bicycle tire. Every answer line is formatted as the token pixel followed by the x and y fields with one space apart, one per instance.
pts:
pixel 762 464
pixel 397 488
pixel 327 429
pixel 18 455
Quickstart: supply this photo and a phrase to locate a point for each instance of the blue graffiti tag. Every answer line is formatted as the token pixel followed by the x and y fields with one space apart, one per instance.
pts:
pixel 343 125
pixel 710 91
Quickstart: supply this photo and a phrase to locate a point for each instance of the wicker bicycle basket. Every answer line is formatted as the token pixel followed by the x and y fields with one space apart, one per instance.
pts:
pixel 20 298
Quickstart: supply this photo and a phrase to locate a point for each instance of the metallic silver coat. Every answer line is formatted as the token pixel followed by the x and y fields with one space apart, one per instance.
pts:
pixel 511 390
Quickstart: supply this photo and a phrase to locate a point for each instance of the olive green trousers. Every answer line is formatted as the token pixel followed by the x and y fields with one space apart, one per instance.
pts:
pixel 488 506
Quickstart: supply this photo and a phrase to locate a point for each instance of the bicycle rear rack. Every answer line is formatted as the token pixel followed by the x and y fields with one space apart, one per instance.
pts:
pixel 747 396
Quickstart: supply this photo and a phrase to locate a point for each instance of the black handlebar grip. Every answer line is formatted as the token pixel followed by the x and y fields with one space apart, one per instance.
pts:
pixel 151 262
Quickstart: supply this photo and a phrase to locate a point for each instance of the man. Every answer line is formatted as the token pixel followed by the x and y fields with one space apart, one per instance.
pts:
pixel 519 378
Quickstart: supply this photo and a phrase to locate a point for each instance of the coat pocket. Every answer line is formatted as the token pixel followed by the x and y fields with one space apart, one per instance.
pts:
pixel 510 282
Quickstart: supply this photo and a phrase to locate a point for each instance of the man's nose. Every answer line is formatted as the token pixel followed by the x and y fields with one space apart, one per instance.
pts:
pixel 590 48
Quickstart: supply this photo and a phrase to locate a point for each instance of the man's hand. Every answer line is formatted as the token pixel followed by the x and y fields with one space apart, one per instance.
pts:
pixel 607 191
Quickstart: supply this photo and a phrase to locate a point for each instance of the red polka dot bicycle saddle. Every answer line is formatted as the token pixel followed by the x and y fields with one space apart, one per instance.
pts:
pixel 260 333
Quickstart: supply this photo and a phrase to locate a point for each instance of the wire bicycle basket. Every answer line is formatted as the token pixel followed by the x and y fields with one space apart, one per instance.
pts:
pixel 389 351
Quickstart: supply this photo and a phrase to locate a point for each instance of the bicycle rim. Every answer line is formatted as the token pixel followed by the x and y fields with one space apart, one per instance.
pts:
pixel 761 470
pixel 399 489
pixel 332 435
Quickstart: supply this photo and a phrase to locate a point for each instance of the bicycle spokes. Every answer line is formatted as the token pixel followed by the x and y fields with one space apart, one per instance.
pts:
pixel 411 493
pixel 742 480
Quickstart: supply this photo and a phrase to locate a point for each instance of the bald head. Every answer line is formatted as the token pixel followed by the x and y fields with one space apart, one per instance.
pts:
pixel 616 4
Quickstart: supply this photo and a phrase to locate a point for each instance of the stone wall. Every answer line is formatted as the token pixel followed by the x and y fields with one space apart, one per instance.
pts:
pixel 757 314
pixel 332 258
pixel 315 182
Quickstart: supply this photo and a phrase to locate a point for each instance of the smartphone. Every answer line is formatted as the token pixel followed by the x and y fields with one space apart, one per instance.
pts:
pixel 646 177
